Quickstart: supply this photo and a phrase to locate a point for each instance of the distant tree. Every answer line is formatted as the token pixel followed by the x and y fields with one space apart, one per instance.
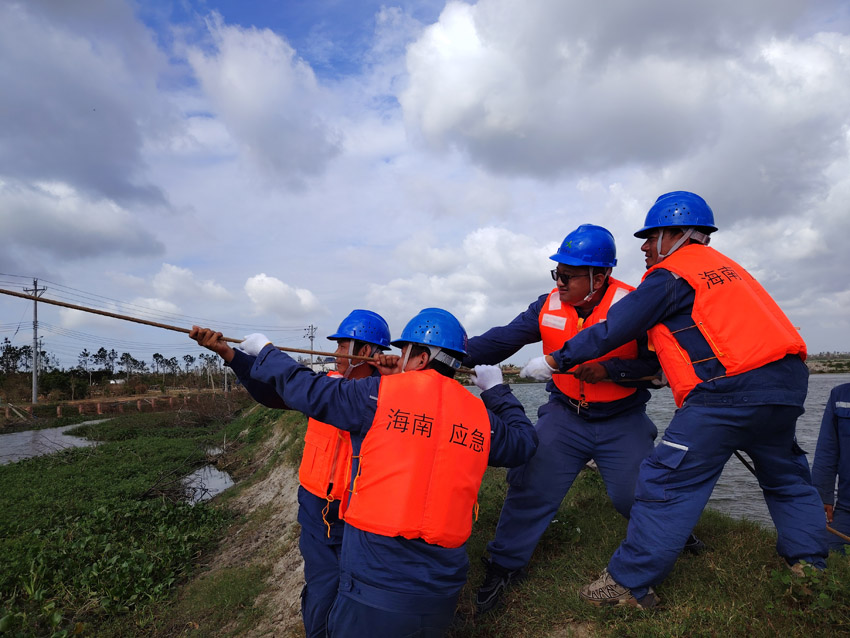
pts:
pixel 10 357
pixel 26 358
pixel 173 367
pixel 83 362
pixel 189 360
pixel 99 358
pixel 126 361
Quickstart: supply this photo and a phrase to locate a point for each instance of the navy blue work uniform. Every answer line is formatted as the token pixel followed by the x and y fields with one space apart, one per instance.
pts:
pixel 755 411
pixel 321 535
pixel 617 435
pixel 390 586
pixel 832 459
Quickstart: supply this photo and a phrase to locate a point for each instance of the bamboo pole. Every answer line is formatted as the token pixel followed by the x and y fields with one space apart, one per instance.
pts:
pixel 166 326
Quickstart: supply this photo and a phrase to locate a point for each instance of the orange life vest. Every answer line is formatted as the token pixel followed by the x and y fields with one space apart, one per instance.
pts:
pixel 325 469
pixel 742 324
pixel 422 461
pixel 560 322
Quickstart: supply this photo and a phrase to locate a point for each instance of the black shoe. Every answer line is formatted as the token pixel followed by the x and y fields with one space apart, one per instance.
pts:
pixel 496 581
pixel 694 546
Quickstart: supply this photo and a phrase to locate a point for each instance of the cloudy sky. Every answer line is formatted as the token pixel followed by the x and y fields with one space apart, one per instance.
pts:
pixel 272 165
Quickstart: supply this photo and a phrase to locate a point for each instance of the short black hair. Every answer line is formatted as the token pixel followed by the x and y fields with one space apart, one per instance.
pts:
pixel 443 368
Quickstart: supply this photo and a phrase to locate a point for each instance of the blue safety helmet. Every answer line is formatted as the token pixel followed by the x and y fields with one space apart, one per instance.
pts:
pixel 434 327
pixel 364 325
pixel 587 245
pixel 679 208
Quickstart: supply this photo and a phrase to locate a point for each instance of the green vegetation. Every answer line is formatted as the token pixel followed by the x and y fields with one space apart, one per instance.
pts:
pixel 90 534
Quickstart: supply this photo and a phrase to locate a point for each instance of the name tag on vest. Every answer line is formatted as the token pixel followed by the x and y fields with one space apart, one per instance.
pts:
pixel 554 321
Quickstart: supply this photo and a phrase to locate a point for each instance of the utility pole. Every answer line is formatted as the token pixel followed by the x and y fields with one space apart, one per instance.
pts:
pixel 36 293
pixel 310 334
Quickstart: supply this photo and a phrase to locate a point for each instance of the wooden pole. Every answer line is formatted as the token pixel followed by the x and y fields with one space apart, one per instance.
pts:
pixel 166 326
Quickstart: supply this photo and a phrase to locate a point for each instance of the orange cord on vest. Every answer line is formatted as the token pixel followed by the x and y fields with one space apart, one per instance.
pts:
pixel 325 510
pixel 708 336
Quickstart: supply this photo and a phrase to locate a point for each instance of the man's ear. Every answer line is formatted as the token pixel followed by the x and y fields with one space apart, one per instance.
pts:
pixel 423 359
pixel 599 279
pixel 364 351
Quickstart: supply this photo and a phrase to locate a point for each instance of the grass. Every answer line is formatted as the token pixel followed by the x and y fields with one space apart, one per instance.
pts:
pixel 738 588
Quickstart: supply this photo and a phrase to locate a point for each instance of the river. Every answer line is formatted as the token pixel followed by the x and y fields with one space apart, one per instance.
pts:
pixel 737 492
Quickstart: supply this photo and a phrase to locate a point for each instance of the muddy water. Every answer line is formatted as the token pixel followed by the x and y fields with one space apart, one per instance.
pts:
pixel 23 445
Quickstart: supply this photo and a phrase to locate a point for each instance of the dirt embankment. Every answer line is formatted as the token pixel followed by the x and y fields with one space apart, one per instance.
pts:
pixel 269 537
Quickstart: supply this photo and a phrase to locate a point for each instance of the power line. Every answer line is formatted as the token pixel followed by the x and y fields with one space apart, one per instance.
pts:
pixel 71 294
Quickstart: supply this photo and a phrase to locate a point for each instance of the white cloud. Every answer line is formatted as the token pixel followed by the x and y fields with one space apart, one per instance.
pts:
pixel 498 273
pixel 725 98
pixel 271 295
pixel 55 219
pixel 79 96
pixel 268 98
pixel 175 282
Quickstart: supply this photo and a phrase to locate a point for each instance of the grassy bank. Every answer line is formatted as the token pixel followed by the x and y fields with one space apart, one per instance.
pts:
pixel 740 587
pixel 92 534
pixel 93 541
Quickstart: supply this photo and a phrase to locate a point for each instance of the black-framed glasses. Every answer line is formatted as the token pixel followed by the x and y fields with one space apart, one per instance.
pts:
pixel 564 277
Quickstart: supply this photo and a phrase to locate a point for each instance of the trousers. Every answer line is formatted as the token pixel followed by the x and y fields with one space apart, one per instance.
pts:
pixel 677 478
pixel 567 443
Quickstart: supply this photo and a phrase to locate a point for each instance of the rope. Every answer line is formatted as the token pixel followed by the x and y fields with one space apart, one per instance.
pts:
pixel 751 469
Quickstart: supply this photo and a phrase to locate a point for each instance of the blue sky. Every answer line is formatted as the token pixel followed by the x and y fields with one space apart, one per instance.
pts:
pixel 331 35
pixel 276 164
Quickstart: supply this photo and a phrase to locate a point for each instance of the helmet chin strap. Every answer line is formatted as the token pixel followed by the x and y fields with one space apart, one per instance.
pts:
pixel 437 354
pixel 690 233
pixel 351 364
pixel 407 350
pixel 592 289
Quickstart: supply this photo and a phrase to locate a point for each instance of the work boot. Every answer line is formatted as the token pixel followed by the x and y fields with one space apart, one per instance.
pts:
pixel 496 581
pixel 694 546
pixel 607 591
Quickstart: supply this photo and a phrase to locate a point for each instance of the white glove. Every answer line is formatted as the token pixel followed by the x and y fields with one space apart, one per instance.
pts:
pixel 486 377
pixel 537 369
pixel 253 343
